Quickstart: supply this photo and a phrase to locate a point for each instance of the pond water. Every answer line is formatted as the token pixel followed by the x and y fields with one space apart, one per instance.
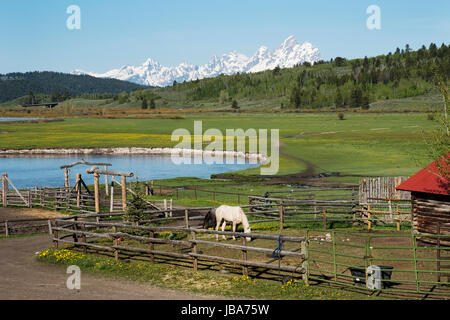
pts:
pixel 44 170
pixel 17 119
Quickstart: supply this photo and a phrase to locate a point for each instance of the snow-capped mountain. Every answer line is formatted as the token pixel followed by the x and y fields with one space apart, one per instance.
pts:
pixel 153 73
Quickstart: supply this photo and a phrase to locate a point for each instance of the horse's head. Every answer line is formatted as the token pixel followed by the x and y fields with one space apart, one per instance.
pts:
pixel 210 219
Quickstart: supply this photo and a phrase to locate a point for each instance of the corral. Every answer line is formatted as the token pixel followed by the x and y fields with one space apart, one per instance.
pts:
pixel 281 248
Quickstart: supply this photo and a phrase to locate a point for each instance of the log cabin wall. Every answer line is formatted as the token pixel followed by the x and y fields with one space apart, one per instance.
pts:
pixel 428 210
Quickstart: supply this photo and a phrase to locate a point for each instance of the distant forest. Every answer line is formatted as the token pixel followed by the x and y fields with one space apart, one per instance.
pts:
pixel 55 86
pixel 335 83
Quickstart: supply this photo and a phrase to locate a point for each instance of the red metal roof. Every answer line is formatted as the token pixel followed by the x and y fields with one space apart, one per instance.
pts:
pixel 428 180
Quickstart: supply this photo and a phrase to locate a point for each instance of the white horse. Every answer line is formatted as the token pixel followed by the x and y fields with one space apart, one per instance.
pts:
pixel 231 214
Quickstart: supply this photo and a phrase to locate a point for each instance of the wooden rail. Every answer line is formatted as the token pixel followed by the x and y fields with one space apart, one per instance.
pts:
pixel 78 230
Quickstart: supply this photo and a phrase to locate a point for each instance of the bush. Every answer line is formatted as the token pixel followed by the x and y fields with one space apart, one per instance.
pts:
pixel 341 116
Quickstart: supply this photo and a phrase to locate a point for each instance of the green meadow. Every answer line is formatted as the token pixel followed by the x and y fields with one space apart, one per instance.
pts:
pixel 363 144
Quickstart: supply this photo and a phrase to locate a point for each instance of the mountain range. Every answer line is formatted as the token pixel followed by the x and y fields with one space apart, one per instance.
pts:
pixel 152 73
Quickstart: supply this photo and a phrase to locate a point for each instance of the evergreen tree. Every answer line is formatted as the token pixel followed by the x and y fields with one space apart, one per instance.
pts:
pixel 144 104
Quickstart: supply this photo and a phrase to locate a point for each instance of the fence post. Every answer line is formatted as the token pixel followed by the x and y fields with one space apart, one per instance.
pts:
pixel 4 190
pixel 281 211
pixel 124 193
pixel 398 218
pixel 333 235
pixel 78 188
pixel 106 182
pixel 166 214
pixel 55 235
pixel 96 192
pixel 244 256
pixel 151 246
pixel 6 228
pixel 416 270
pixel 304 251
pixel 438 253
pixel 369 219
pixel 186 218
pixel 75 237
pixel 49 227
pixel 324 213
pixel 83 237
pixel 194 250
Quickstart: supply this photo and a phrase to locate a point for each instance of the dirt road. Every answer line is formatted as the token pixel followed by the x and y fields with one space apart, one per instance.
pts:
pixel 23 277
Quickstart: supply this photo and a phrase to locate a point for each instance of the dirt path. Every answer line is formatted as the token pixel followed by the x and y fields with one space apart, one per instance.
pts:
pixel 23 277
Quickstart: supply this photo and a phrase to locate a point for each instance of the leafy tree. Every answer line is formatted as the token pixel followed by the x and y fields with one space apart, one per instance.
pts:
pixel 152 104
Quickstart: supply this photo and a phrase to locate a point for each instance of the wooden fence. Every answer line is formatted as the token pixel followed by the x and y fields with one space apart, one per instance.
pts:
pixel 373 190
pixel 78 232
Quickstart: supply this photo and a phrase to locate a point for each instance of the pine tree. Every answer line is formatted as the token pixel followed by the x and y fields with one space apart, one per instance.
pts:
pixel 144 104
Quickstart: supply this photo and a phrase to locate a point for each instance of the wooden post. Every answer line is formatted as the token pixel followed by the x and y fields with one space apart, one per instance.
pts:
pixel 391 217
pixel 83 237
pixel 124 193
pixel 116 252
pixel 30 202
pixel 166 214
pixel 106 182
pixel 186 218
pixel 244 256
pixel 194 251
pixel 324 213
pixel 78 188
pixel 369 219
pixel 171 208
pixel 151 246
pixel 6 228
pixel 66 179
pixel 75 237
pixel 96 192
pixel 280 211
pixel 4 190
pixel 398 218
pixel 49 227
pixel 55 235
pixel 438 253
pixel 304 250
pixel 111 203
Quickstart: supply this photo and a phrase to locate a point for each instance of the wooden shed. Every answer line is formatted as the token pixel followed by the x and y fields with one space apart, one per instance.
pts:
pixel 430 202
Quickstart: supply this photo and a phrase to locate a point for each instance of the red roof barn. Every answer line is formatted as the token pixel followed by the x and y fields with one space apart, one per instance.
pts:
pixel 430 200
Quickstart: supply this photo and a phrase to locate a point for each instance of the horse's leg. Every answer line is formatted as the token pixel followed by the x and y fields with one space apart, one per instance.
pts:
pixel 217 229
pixel 234 229
pixel 223 229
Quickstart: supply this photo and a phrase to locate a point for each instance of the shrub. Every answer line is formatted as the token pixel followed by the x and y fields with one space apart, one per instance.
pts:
pixel 341 116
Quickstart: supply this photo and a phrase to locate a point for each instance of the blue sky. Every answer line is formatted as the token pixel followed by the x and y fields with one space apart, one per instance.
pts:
pixel 114 33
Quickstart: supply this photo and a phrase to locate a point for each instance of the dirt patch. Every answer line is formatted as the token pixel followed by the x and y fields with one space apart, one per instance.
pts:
pixel 25 220
pixel 24 277
pixel 27 213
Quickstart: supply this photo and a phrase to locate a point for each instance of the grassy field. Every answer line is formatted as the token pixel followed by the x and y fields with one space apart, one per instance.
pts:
pixel 363 144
